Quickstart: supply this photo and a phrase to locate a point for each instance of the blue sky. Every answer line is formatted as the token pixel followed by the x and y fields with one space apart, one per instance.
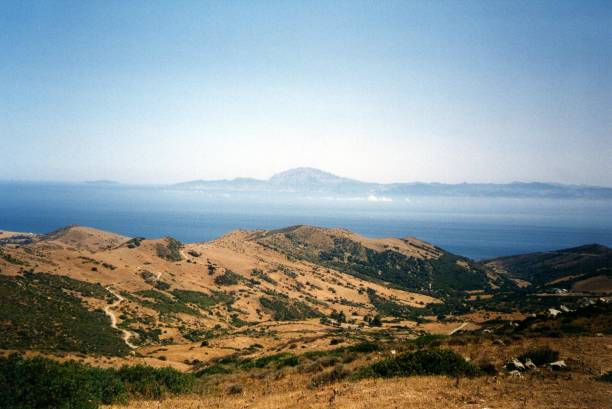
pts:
pixel 382 91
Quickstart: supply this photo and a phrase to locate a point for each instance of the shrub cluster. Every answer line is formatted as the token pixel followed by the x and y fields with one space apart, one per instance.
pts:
pixel 335 374
pixel 606 377
pixel 286 310
pixel 540 356
pixel 228 278
pixel 171 251
pixel 421 362
pixel 29 300
pixel 43 383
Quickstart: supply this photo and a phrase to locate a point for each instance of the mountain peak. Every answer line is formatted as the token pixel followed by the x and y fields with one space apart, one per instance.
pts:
pixel 305 176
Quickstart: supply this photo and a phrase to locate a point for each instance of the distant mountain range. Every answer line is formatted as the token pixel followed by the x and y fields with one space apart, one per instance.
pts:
pixel 314 181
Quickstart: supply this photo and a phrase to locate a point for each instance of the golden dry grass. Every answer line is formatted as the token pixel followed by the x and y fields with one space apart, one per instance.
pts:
pixel 415 392
pixel 270 389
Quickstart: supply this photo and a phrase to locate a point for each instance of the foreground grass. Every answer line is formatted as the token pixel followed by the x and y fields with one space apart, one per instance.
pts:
pixel 362 375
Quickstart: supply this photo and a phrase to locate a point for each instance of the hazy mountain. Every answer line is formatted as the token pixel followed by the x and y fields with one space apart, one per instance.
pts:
pixel 101 182
pixel 315 181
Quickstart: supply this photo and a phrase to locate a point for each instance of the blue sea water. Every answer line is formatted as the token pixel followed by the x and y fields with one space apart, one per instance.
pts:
pixel 470 226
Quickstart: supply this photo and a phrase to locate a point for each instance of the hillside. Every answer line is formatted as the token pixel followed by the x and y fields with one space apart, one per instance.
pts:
pixel 406 263
pixel 232 291
pixel 584 268
pixel 259 312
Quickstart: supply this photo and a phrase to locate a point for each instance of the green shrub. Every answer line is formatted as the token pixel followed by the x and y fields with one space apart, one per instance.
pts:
pixel 43 383
pixel 335 374
pixel 212 370
pixel 198 298
pixel 487 367
pixel 260 274
pixel 135 242
pixel 287 310
pixel 235 389
pixel 340 317
pixel 428 340
pixel 321 363
pixel 10 259
pixel 283 359
pixel 171 251
pixel 421 362
pixel 540 356
pixel 606 377
pixel 164 304
pixel 376 321
pixel 363 347
pixel 288 361
pixel 162 285
pixel 228 278
pixel 28 301
pixel 153 383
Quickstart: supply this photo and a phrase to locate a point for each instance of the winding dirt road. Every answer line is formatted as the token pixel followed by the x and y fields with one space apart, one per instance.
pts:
pixel 108 311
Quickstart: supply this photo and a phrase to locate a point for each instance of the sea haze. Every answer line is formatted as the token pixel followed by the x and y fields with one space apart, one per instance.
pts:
pixel 476 227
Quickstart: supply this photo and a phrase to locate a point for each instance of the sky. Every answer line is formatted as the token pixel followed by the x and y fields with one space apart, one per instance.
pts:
pixel 169 91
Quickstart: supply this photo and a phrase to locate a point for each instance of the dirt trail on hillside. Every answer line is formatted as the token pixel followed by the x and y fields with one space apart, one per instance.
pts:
pixel 108 311
pixel 459 328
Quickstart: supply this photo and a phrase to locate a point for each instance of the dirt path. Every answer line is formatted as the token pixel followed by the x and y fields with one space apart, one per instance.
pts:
pixel 459 328
pixel 108 311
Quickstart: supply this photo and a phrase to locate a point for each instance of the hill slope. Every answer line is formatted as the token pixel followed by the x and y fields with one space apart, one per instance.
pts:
pixel 406 263
pixel 588 268
pixel 164 292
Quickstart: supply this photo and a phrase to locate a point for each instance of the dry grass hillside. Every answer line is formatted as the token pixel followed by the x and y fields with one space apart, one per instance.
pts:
pixel 301 317
pixel 232 292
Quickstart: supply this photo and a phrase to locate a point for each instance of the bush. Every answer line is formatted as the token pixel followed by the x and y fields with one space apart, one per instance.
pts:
pixel 162 285
pixel 540 356
pixel 487 367
pixel 234 389
pixel 376 321
pixel 43 383
pixel 363 347
pixel 171 250
pixel 333 375
pixel 228 278
pixel 283 359
pixel 421 362
pixel 428 340
pixel 607 377
pixel 153 383
pixel 284 309
pixel 213 370
pixel 321 363
pixel 28 301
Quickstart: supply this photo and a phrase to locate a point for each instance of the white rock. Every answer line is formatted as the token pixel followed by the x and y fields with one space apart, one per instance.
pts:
pixel 516 364
pixel 515 374
pixel 530 365
pixel 557 366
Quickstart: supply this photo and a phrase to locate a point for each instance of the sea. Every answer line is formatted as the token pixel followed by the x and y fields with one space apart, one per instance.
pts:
pixel 475 227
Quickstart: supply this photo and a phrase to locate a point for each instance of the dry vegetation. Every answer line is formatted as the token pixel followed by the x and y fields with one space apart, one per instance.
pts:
pixel 267 319
pixel 577 388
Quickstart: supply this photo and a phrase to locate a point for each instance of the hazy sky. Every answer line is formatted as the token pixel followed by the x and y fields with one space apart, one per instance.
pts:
pixel 379 90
